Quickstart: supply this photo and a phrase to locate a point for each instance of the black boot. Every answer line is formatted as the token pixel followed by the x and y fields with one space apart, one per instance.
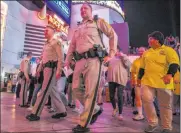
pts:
pixel 59 115
pixel 95 116
pixel 32 117
pixel 79 129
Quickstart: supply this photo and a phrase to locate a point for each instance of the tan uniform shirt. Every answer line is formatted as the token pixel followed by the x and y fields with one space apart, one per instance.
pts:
pixel 86 35
pixel 25 66
pixel 53 51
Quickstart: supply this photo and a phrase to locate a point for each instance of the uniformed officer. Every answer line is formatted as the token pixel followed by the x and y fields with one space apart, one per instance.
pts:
pixel 134 75
pixel 25 68
pixel 52 62
pixel 87 66
pixel 157 69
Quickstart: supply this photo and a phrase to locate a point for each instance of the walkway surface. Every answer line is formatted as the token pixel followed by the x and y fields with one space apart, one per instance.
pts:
pixel 13 120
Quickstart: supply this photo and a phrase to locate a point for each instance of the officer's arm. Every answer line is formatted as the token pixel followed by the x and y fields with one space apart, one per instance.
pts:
pixel 26 64
pixel 173 61
pixel 60 54
pixel 110 33
pixel 71 49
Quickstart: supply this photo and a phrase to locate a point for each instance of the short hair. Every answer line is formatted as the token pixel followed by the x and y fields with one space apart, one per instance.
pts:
pixel 29 53
pixel 86 3
pixel 158 36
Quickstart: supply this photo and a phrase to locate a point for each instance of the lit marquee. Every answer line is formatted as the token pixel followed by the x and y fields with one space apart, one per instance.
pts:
pixel 58 23
pixel 110 4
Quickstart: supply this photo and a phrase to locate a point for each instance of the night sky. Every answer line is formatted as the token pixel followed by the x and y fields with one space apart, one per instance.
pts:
pixel 146 16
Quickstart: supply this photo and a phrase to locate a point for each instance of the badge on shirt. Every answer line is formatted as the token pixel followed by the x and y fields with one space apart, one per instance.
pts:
pixel 162 52
pixel 26 61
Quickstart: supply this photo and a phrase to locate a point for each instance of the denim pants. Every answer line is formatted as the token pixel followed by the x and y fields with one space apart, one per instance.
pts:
pixel 112 90
pixel 35 92
pixel 60 87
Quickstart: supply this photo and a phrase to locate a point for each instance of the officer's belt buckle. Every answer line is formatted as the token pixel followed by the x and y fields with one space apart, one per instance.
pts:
pixel 86 55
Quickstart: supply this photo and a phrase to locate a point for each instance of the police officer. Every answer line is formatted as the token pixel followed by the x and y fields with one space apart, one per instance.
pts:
pixel 87 66
pixel 157 69
pixel 52 62
pixel 25 75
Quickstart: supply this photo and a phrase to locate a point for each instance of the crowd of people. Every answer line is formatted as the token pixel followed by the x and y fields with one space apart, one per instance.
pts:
pixel 150 82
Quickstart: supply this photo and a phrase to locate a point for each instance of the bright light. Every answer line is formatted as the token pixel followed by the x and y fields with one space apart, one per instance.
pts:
pixel 2 74
pixel 59 20
pixel 4 10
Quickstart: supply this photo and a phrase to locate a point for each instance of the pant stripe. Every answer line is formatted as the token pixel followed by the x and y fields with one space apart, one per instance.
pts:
pixel 39 106
pixel 24 92
pixel 94 98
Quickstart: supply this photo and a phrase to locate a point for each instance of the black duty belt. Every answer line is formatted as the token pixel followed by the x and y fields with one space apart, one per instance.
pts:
pixel 85 55
pixel 50 64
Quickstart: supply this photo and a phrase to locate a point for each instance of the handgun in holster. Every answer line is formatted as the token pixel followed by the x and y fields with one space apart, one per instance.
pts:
pixel 77 56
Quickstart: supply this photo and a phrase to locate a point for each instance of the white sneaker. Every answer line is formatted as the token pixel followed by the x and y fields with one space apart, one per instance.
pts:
pixel 30 108
pixel 120 117
pixel 114 112
pixel 138 117
pixel 52 110
pixel 76 110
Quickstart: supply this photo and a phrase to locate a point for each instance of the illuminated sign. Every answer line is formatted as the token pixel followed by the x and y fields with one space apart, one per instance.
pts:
pixel 58 23
pixel 4 10
pixel 110 4
pixel 61 8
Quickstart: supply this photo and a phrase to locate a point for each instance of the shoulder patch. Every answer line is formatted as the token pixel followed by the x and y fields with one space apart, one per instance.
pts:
pixel 26 61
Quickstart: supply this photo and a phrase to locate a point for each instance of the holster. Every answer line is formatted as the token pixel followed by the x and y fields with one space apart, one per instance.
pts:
pixel 50 64
pixel 96 51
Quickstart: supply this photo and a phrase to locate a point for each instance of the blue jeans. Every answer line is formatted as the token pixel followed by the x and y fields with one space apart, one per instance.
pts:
pixel 156 106
pixel 35 92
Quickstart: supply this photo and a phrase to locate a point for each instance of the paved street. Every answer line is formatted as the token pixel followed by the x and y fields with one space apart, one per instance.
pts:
pixel 13 120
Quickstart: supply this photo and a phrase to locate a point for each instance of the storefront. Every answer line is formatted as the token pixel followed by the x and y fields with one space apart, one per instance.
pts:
pixel 60 19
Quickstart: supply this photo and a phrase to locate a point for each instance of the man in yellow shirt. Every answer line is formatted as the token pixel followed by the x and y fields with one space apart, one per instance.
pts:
pixel 158 66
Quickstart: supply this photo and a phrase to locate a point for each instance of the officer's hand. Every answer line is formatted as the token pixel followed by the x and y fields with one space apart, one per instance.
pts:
pixel 67 65
pixel 167 78
pixel 138 83
pixel 106 59
pixel 111 54
pixel 58 76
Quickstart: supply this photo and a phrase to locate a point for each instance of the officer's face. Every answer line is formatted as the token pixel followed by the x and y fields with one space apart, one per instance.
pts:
pixel 86 11
pixel 49 32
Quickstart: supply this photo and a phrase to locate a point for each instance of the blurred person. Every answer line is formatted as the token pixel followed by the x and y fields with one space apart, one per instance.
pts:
pixel 157 69
pixel 117 78
pixel 38 82
pixel 134 76
pixel 176 94
pixel 25 68
pixel 127 93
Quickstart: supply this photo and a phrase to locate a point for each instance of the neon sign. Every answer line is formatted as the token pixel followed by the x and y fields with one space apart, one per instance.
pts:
pixel 62 8
pixel 110 4
pixel 58 23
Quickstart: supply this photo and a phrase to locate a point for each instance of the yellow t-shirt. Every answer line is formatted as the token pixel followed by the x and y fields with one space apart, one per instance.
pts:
pixel 177 86
pixel 156 63
pixel 135 70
